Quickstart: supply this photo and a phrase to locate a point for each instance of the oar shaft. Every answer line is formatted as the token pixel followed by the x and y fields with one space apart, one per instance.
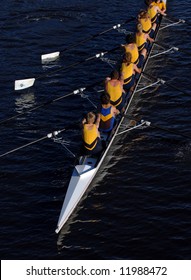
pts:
pixel 171 131
pixel 85 40
pixel 175 48
pixel 50 135
pixel 95 36
pixel 65 68
pixel 78 63
pixel 23 146
pixel 160 127
pixel 47 103
pixel 176 88
pixel 176 19
pixel 166 83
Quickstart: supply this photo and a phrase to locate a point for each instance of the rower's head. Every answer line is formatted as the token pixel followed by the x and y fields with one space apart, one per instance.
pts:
pixel 144 14
pixel 152 3
pixel 114 74
pixel 130 38
pixel 141 12
pixel 105 98
pixel 90 117
pixel 127 57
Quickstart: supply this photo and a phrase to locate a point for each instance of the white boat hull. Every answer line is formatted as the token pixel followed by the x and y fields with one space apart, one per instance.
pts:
pixel 84 173
pixel 81 178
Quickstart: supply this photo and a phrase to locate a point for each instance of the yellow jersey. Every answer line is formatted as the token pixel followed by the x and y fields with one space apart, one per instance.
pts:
pixel 140 41
pixel 127 71
pixel 115 93
pixel 146 24
pixel 134 52
pixel 90 137
pixel 152 13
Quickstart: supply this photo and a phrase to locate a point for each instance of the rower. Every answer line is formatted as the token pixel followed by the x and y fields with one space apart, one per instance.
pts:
pixel 128 70
pixel 131 47
pixel 145 21
pixel 114 87
pixel 91 136
pixel 154 10
pixel 161 4
pixel 107 114
pixel 142 39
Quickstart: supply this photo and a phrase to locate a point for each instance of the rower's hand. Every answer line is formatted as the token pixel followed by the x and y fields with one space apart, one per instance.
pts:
pixel 84 121
pixel 107 79
pixel 122 113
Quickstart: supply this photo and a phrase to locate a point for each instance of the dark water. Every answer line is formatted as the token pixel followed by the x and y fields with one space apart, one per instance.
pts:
pixel 139 205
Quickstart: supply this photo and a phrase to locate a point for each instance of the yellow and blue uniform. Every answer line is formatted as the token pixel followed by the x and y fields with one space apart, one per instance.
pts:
pixel 90 137
pixel 141 41
pixel 115 93
pixel 161 5
pixel 146 24
pixel 153 14
pixel 128 75
pixel 134 53
pixel 127 71
pixel 107 120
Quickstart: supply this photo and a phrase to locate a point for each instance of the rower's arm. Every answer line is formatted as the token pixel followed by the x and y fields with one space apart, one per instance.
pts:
pixel 121 80
pixel 123 46
pixel 160 11
pixel 164 7
pixel 97 120
pixel 151 40
pixel 106 83
pixel 115 111
pixel 84 121
pixel 138 70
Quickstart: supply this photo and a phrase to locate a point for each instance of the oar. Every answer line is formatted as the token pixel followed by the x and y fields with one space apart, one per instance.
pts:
pixel 50 135
pixel 26 83
pixel 134 126
pixel 166 83
pixel 174 48
pixel 176 19
pixel 80 90
pixel 148 123
pixel 55 55
pixel 170 131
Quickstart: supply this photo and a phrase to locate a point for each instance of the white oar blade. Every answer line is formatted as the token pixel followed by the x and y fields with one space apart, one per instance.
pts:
pixel 22 84
pixel 49 56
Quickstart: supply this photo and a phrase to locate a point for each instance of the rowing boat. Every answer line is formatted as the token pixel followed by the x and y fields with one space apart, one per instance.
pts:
pixel 84 172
